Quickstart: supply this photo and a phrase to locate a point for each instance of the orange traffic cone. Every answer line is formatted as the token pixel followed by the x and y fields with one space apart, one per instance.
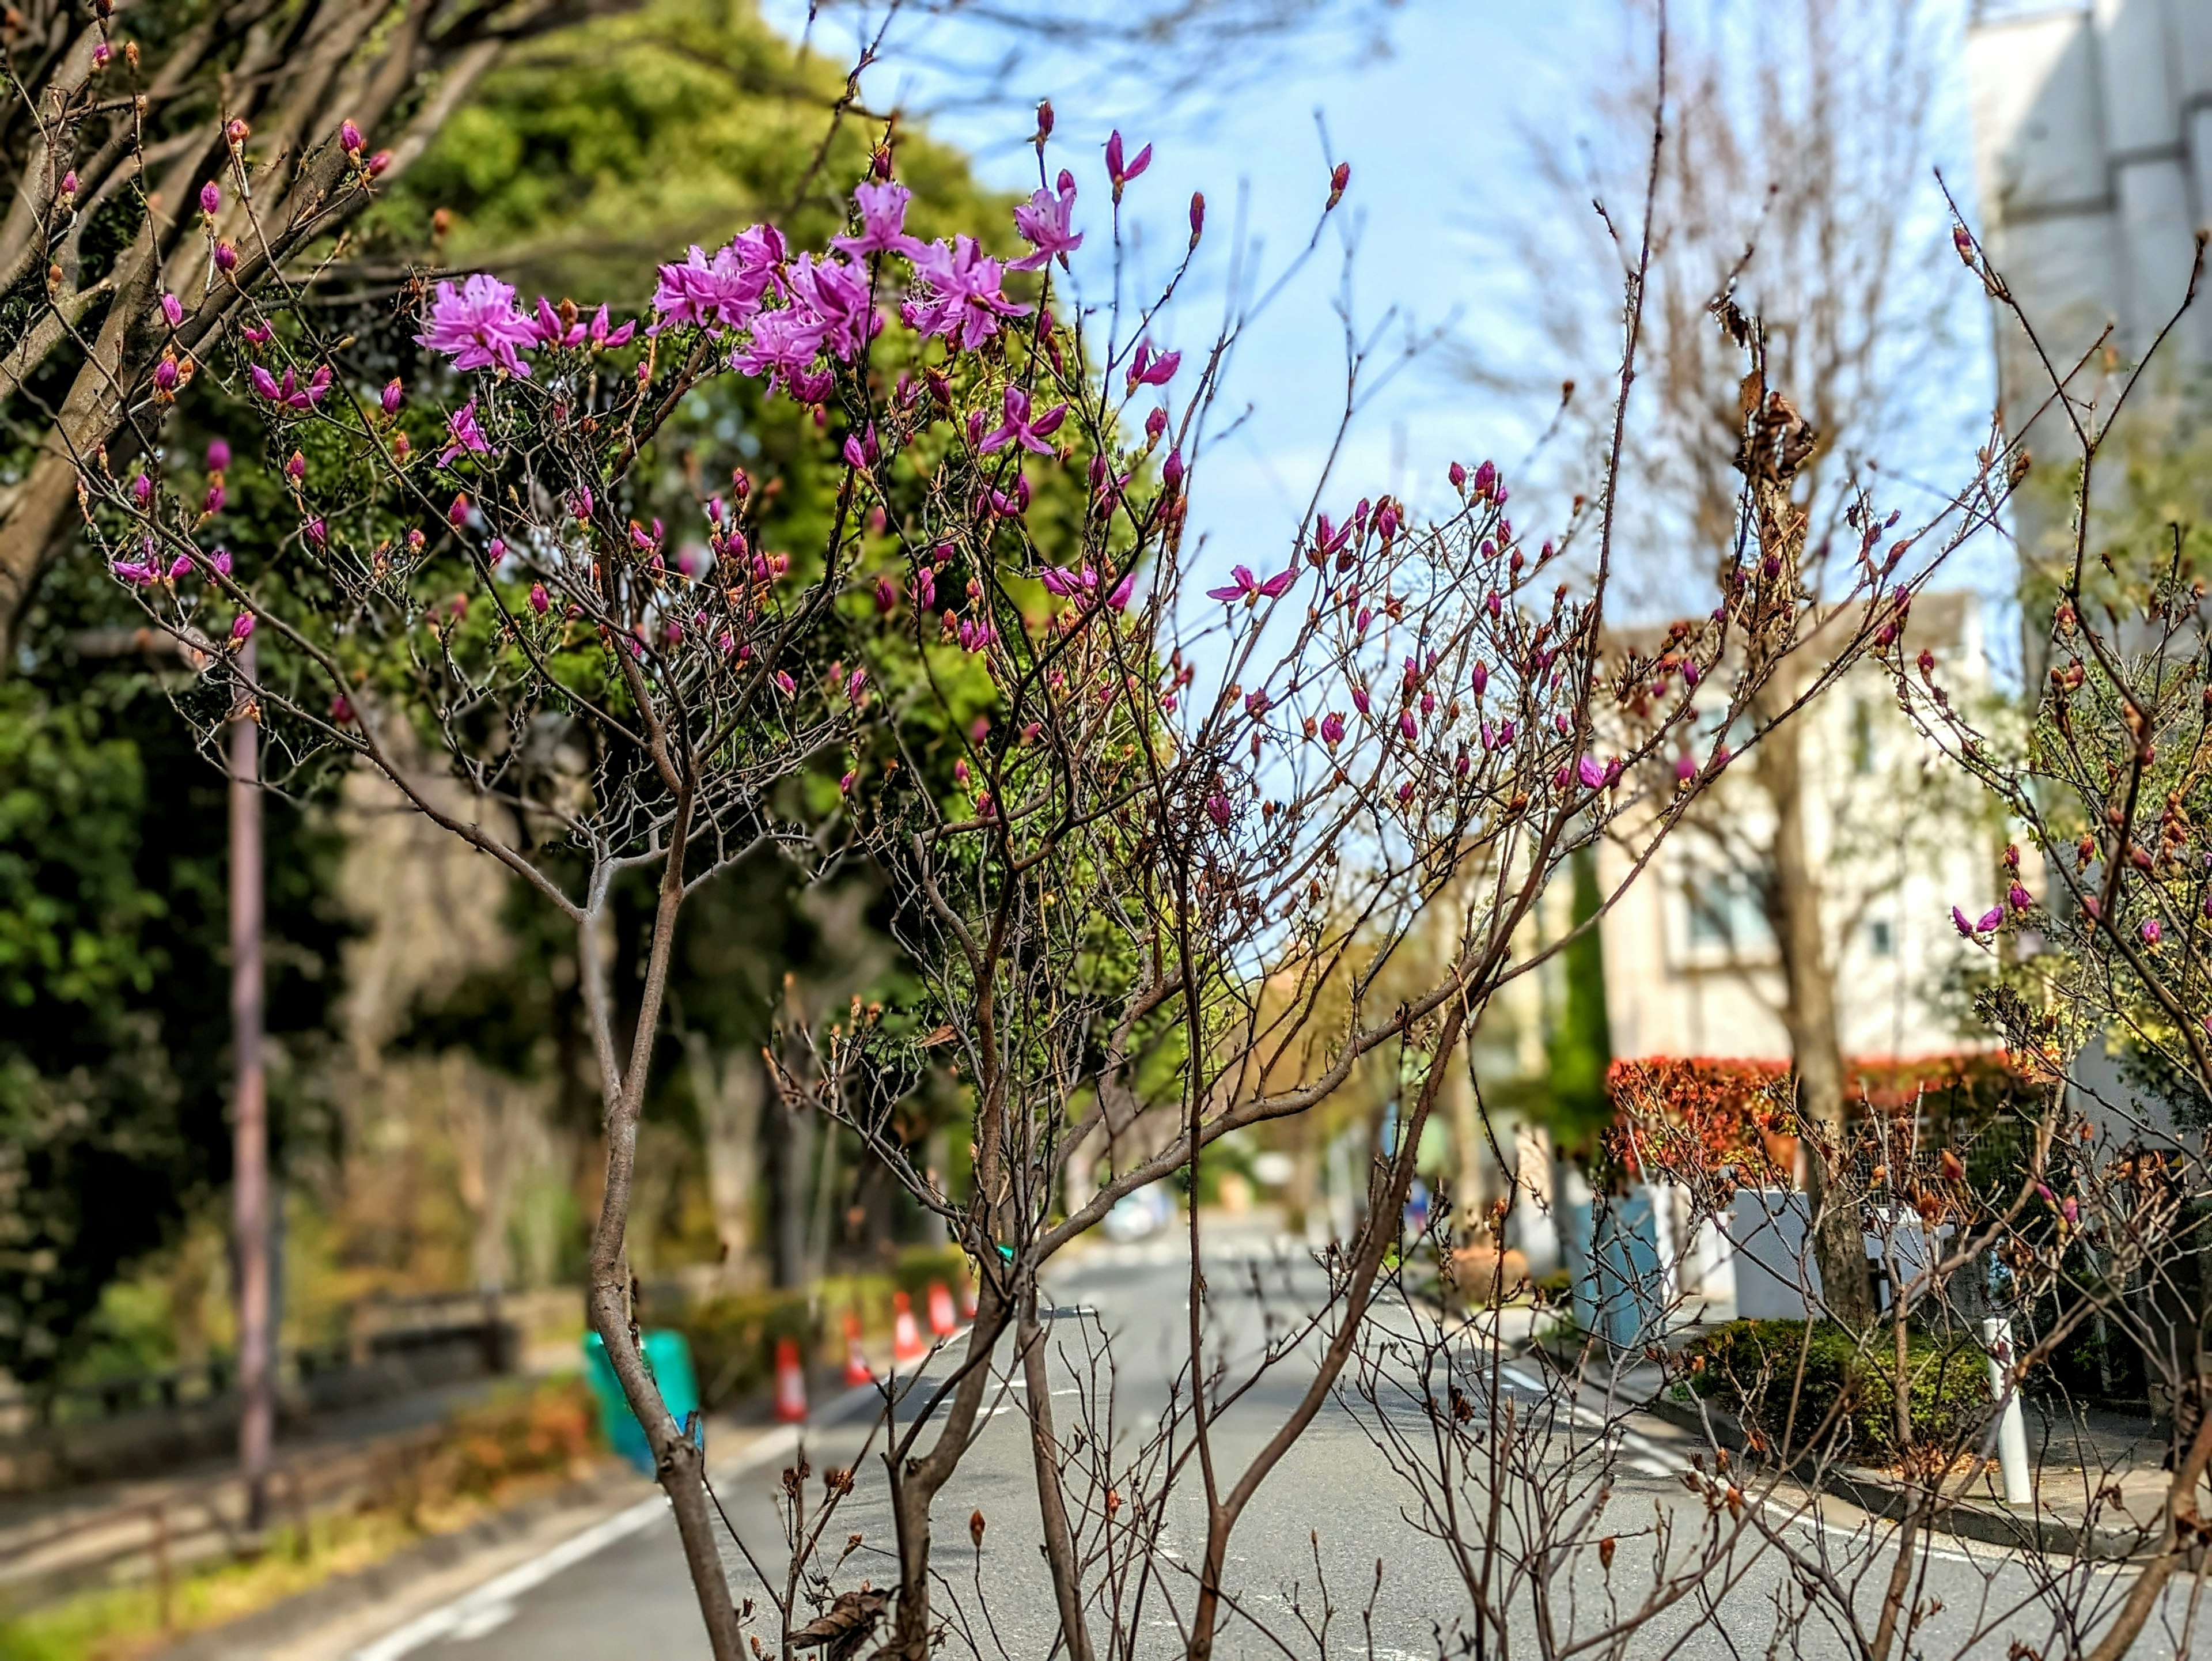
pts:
pixel 790 1383
pixel 856 1365
pixel 906 1337
pixel 940 1310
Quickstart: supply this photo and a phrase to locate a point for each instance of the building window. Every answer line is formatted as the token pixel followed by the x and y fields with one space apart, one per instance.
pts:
pixel 1862 737
pixel 1724 912
pixel 1879 940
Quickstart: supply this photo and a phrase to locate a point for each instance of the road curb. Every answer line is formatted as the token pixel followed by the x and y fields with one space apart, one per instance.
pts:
pixel 2020 1529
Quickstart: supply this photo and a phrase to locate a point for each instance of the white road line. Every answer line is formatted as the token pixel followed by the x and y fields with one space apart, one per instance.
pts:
pixel 493 1604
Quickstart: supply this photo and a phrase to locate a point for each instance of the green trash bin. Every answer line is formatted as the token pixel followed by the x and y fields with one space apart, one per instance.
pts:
pixel 668 1359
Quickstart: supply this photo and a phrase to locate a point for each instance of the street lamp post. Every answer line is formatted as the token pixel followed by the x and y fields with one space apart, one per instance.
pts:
pixel 250 1113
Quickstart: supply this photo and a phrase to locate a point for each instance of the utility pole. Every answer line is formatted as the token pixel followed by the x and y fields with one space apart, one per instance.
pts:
pixel 257 1349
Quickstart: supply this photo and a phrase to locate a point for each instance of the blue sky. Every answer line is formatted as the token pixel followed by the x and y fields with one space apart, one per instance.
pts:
pixel 1435 129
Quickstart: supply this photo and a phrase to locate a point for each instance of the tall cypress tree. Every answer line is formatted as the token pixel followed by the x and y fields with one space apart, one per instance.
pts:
pixel 1580 1049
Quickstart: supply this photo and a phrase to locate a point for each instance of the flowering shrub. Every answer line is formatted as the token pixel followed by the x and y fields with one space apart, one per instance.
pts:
pixel 1109 812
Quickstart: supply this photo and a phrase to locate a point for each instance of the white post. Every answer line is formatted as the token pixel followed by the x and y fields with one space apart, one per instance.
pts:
pixel 2012 1428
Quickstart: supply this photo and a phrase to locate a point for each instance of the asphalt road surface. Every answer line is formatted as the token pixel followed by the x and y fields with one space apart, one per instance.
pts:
pixel 1334 1511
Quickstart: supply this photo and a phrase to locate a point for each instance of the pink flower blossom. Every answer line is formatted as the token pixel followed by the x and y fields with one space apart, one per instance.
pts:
pixel 1249 589
pixel 242 629
pixel 2021 898
pixel 467 434
pixel 210 199
pixel 1044 222
pixel 218 455
pixel 173 309
pixel 782 348
pixel 477 325
pixel 882 222
pixel 836 294
pixel 540 600
pixel 2153 931
pixel 1332 729
pixel 1018 429
pixel 1216 809
pixel 725 291
pixel 1121 173
pixel 1146 371
pixel 1119 599
pixel 961 298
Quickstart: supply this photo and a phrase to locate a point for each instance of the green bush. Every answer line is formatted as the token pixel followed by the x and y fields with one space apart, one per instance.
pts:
pixel 1750 1368
pixel 734 1339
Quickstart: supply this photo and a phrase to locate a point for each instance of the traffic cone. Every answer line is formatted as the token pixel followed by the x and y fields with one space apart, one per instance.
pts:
pixel 856 1365
pixel 790 1383
pixel 906 1337
pixel 940 1310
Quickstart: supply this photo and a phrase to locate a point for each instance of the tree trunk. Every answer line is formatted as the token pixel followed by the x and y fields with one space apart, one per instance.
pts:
pixel 729 1097
pixel 1791 892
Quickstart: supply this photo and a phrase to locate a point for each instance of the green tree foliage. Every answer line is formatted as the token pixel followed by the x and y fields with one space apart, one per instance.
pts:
pixel 1580 1048
pixel 114 975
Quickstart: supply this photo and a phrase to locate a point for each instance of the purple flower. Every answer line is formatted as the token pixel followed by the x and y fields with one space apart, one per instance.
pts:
pixel 462 428
pixel 1120 173
pixel 1044 222
pixel 220 560
pixel 836 293
pixel 218 455
pixel 2152 931
pixel 1589 772
pixel 1407 728
pixel 242 629
pixel 226 258
pixel 1249 589
pixel 494 550
pixel 1332 729
pixel 1146 371
pixel 210 199
pixel 1216 809
pixel 782 348
pixel 961 298
pixel 477 325
pixel 1481 679
pixel 725 291
pixel 882 222
pixel 142 489
pixel 130 571
pixel 165 375
pixel 1119 599
pixel 350 139
pixel 212 504
pixel 1018 429
pixel 173 309
pixel 785 685
pixel 2021 898
pixel 539 601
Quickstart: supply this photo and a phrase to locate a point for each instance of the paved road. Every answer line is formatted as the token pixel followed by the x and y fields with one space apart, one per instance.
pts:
pixel 1336 1499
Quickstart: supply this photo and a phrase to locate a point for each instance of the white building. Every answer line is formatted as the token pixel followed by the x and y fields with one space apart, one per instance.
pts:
pixel 2093 149
pixel 1897 837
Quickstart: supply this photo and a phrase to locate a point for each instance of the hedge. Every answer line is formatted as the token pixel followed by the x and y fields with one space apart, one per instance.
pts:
pixel 1749 1368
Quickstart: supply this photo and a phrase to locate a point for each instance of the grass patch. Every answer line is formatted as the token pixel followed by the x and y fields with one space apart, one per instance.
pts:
pixel 527 1439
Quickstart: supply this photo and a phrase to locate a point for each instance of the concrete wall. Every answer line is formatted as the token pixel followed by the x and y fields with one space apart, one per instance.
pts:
pixel 2093 149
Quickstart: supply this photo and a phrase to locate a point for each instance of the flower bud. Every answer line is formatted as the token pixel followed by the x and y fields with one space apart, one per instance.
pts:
pixel 210 199
pixel 1197 216
pixel 350 138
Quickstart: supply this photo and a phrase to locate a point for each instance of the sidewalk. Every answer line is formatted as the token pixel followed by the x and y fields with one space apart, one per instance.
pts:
pixel 2099 1487
pixel 55 1543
